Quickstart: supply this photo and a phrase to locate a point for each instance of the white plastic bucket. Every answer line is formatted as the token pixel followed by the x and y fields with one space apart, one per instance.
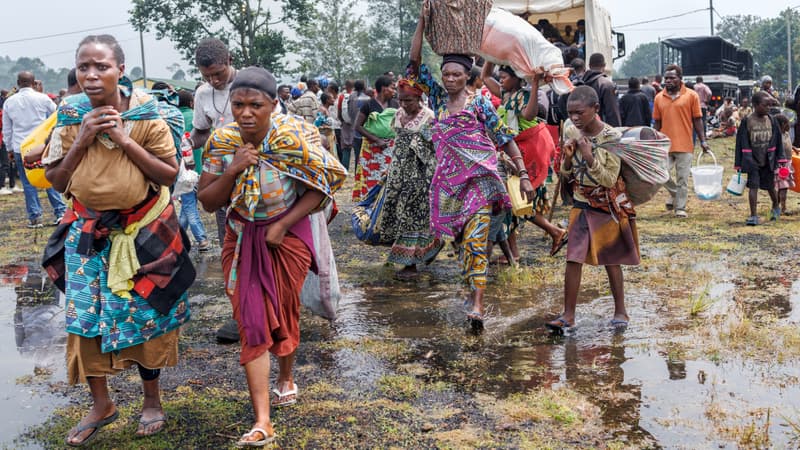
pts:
pixel 707 179
pixel 737 184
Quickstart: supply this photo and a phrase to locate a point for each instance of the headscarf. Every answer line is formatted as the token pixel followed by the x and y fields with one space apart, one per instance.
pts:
pixel 256 78
pixel 411 87
pixel 464 60
pixel 76 106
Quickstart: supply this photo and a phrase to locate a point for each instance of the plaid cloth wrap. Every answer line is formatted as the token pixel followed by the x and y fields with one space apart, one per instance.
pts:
pixel 162 248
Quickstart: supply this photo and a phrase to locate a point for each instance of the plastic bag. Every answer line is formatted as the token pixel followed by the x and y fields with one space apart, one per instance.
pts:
pixel 36 138
pixel 187 180
pixel 511 41
pixel 380 123
pixel 321 292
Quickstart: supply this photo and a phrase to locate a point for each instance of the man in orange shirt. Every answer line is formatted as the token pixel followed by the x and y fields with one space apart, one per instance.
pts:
pixel 677 113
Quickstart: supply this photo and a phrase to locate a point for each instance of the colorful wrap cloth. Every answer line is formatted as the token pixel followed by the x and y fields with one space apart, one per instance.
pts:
pixel 287 148
pixel 466 177
pixel 77 260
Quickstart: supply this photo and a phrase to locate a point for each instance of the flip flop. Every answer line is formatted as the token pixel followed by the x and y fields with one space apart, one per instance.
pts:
pixel 259 443
pixel 145 423
pixel 286 398
pixel 619 324
pixel 559 243
pixel 559 326
pixel 96 425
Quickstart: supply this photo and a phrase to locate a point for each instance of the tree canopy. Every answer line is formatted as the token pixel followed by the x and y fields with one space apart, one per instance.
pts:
pixel 331 42
pixel 247 26
pixel 52 79
pixel 643 61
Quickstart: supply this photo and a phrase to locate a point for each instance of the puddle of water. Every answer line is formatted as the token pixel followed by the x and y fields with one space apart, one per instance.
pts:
pixel 32 341
pixel 794 299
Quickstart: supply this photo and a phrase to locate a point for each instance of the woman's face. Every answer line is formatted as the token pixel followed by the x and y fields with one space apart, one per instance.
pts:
pixel 387 92
pixel 252 109
pixel 508 83
pixel 98 72
pixel 409 103
pixel 454 77
pixel 580 114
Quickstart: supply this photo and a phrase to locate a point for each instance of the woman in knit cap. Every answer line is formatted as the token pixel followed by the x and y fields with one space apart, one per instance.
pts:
pixel 271 173
pixel 466 186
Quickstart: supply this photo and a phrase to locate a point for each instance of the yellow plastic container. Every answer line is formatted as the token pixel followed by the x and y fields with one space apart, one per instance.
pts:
pixel 520 207
pixel 38 137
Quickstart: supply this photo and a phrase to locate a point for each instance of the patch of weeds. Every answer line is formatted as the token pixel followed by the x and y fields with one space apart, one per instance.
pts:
pixel 766 338
pixel 209 418
pixel 399 386
pixel 755 435
pixel 560 407
pixel 701 302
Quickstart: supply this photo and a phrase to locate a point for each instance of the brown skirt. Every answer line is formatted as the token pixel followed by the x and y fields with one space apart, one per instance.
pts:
pixel 595 238
pixel 290 264
pixel 84 358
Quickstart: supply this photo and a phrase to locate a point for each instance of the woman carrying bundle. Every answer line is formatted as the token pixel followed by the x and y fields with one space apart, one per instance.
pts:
pixel 519 110
pixel 465 186
pixel 602 223
pixel 118 254
pixel 272 173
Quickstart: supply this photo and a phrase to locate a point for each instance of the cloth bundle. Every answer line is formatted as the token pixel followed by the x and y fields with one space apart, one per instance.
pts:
pixel 511 41
pixel 645 161
pixel 455 26
pixel 366 217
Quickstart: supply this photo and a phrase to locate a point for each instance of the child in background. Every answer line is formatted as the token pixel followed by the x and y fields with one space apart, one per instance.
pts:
pixel 784 174
pixel 759 145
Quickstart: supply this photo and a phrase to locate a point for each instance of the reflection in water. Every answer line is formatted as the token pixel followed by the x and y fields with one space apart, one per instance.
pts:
pixel 32 340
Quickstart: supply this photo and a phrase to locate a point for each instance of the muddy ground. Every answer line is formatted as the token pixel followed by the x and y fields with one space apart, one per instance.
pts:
pixel 710 359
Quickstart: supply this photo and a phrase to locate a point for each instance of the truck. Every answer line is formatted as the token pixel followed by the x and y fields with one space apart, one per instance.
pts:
pixel 725 68
pixel 600 37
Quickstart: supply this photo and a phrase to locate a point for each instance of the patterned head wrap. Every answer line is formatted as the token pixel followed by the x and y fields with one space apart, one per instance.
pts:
pixel 411 87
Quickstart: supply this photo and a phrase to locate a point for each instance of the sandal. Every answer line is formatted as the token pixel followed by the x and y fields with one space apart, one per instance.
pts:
pixel 559 243
pixel 259 443
pixel 286 398
pixel 96 425
pixel 619 324
pixel 144 423
pixel 558 325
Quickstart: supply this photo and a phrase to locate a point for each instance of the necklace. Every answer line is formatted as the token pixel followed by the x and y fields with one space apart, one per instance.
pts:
pixel 227 98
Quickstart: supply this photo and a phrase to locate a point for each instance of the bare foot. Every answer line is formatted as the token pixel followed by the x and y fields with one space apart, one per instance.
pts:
pixel 151 422
pixel 96 415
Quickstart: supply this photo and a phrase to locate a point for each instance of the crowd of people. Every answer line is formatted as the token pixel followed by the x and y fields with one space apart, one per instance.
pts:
pixel 434 161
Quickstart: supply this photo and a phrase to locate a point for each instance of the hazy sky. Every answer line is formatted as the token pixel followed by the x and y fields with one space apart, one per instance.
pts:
pixel 47 17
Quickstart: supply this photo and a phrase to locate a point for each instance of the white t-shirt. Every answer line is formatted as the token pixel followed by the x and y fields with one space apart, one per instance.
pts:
pixel 212 107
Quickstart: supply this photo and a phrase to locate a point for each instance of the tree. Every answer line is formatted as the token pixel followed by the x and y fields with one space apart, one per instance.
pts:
pixel 179 75
pixel 767 42
pixel 245 25
pixel 136 73
pixel 734 28
pixel 389 37
pixel 643 61
pixel 326 43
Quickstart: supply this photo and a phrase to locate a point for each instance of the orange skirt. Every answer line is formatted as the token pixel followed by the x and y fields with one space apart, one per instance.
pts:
pixel 290 264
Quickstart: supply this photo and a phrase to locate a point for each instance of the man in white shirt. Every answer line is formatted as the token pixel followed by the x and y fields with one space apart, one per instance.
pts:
pixel 22 112
pixel 212 109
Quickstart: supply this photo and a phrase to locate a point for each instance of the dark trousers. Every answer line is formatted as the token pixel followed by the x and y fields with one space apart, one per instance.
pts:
pixel 357 150
pixel 5 168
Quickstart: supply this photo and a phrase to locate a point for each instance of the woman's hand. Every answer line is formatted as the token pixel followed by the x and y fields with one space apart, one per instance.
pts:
pixel 526 189
pixel 377 142
pixel 96 121
pixel 275 234
pixel 245 156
